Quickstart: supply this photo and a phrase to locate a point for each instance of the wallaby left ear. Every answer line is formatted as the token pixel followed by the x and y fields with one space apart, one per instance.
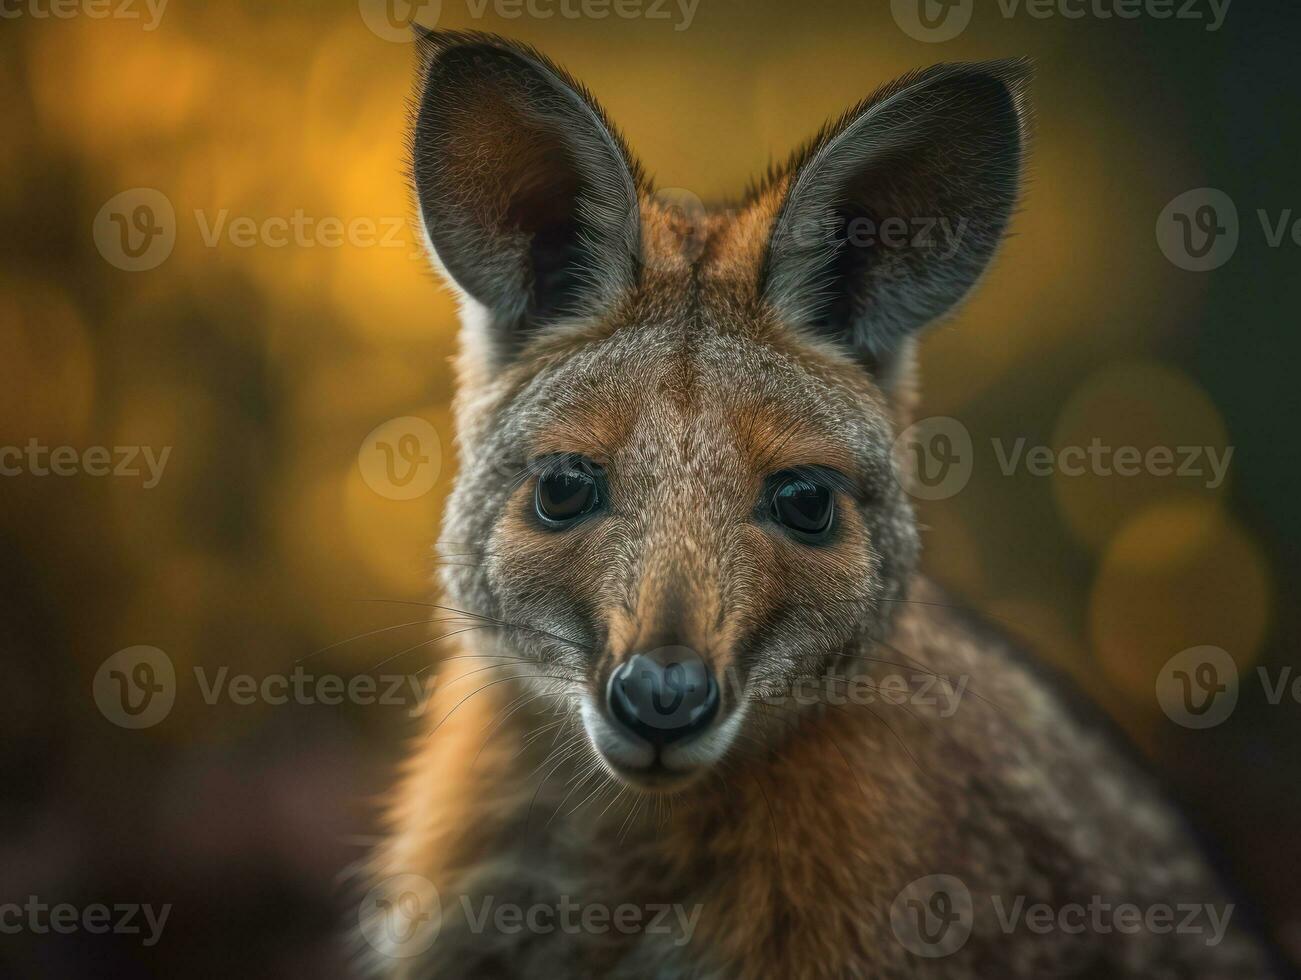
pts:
pixel 892 213
pixel 529 198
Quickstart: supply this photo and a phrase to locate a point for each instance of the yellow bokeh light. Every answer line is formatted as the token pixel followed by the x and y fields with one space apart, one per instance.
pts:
pixel 1135 433
pixel 1180 575
pixel 129 87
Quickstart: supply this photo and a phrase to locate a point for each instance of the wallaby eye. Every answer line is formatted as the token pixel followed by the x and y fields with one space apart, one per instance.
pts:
pixel 802 505
pixel 567 491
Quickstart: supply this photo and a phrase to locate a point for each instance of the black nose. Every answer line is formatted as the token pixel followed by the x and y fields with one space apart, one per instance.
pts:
pixel 664 695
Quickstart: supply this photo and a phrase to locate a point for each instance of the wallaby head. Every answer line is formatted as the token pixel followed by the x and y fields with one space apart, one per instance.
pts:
pixel 677 487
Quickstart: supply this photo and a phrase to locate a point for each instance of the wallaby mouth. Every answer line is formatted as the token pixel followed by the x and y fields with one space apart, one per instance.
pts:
pixel 660 720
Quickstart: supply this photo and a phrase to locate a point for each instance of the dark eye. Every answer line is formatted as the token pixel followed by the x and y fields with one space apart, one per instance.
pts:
pixel 567 492
pixel 803 506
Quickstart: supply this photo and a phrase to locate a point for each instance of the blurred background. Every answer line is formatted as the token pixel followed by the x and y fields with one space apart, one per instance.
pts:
pixel 208 263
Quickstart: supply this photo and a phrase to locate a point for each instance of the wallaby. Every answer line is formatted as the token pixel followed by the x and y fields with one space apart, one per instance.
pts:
pixel 681 562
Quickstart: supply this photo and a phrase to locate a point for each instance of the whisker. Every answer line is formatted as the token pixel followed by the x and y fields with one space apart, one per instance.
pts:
pixel 835 743
pixel 576 782
pixel 362 636
pixel 425 642
pixel 530 700
pixel 632 812
pixel 945 678
pixel 876 689
pixel 565 757
pixel 902 744
pixel 951 605
pixel 489 619
pixel 976 694
pixel 613 800
pixel 772 817
pixel 568 743
pixel 537 733
pixel 500 680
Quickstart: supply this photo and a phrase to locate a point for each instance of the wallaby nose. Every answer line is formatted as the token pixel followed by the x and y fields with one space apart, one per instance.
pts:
pixel 664 695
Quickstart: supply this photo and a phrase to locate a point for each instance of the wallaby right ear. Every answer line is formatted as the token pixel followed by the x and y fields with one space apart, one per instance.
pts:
pixel 938 156
pixel 529 198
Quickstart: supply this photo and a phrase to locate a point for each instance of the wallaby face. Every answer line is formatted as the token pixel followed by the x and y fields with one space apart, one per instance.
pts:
pixel 677 499
pixel 677 443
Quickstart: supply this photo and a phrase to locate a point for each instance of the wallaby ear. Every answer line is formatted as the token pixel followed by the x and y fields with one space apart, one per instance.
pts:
pixel 528 197
pixel 891 214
